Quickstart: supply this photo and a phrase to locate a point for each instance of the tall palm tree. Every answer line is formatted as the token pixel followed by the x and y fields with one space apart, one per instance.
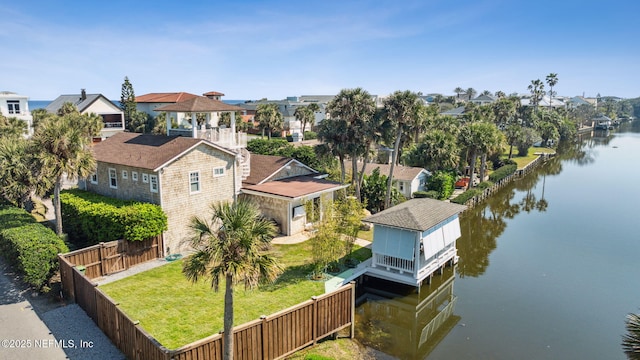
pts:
pixel 404 109
pixel 63 143
pixel 333 134
pixel 458 91
pixel 228 246
pixel 552 80
pixel 471 93
pixel 476 138
pixel 537 91
pixel 269 117
pixel 19 176
pixel 631 341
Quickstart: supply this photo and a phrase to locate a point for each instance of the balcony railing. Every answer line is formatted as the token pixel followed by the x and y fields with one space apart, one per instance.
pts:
pixel 222 137
pixel 111 125
pixel 391 262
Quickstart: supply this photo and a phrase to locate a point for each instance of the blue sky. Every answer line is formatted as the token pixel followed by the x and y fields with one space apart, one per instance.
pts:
pixel 275 49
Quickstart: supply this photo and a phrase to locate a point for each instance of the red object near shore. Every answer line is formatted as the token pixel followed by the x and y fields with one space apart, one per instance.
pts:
pixel 462 183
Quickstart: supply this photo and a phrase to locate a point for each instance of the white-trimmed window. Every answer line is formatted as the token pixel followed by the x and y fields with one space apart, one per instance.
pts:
pixel 194 182
pixel 13 107
pixel 94 178
pixel 153 183
pixel 113 178
pixel 219 171
pixel 125 174
pixel 134 175
pixel 145 178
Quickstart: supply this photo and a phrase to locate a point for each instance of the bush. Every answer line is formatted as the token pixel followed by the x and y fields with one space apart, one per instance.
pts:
pixel 443 183
pixel 432 194
pixel 310 135
pixel 465 196
pixel 502 172
pixel 29 246
pixel 90 218
pixel 484 185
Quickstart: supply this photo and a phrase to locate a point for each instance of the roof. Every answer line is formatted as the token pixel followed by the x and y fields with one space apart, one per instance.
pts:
pixel 213 93
pixel 416 214
pixel 76 99
pixel 144 150
pixel 400 172
pixel 295 187
pixel 454 112
pixel 484 97
pixel 264 166
pixel 199 104
pixel 172 97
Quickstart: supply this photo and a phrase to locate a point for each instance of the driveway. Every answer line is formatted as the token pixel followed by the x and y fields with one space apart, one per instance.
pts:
pixel 37 327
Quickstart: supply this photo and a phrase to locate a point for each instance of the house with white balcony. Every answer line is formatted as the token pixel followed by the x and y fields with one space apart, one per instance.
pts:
pixel 148 103
pixel 112 115
pixel 14 105
pixel 413 240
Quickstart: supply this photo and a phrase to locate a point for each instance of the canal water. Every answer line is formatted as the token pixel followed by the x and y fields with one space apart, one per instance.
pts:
pixel 549 267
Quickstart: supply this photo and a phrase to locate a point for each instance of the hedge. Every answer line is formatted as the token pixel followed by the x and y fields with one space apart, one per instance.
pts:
pixel 443 182
pixel 30 247
pixel 89 218
pixel 502 172
pixel 465 196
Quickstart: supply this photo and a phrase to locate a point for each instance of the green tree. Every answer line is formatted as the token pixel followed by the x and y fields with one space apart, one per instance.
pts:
pixel 20 178
pixel 552 80
pixel 404 109
pixel 476 137
pixel 228 246
pixel 350 214
pixel 128 103
pixel 63 150
pixel 513 134
pixel 38 115
pixel 269 117
pixel 458 91
pixel 437 150
pixel 333 134
pixel 471 93
pixel 305 115
pixel 631 340
pixel 374 189
pixel 12 127
pixel 537 91
pixel 547 131
pixel 141 122
pixel 67 108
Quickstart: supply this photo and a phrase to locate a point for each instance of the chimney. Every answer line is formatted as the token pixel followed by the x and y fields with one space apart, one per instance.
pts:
pixel 83 95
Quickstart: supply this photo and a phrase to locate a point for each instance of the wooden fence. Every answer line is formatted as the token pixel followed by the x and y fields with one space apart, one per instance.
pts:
pixel 271 337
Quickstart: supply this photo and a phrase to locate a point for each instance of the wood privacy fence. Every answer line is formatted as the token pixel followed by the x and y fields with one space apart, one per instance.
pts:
pixel 271 337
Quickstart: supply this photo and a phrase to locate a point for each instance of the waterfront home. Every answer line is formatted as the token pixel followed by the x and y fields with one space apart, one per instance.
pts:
pixel 602 122
pixel 407 179
pixel 14 105
pixel 282 187
pixel 148 103
pixel 414 239
pixel 181 174
pixel 112 115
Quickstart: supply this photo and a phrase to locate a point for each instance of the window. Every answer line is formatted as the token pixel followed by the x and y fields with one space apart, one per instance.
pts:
pixel 194 182
pixel 14 107
pixel 94 178
pixel 134 175
pixel 153 183
pixel 401 186
pixel 219 171
pixel 145 178
pixel 113 178
pixel 125 174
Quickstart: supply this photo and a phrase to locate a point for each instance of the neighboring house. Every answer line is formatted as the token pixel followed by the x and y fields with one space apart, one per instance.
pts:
pixel 406 179
pixel 483 100
pixel 576 101
pixel 455 112
pixel 183 175
pixel 281 186
pixel 544 102
pixel 112 115
pixel 414 239
pixel 602 122
pixel 14 105
pixel 148 103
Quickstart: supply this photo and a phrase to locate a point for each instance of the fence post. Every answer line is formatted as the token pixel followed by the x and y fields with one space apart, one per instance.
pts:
pixel 265 337
pixel 314 328
pixel 353 309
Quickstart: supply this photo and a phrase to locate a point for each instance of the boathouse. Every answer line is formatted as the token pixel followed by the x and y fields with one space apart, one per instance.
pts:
pixel 414 239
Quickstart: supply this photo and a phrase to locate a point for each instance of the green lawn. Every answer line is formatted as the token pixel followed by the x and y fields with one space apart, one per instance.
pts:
pixel 177 312
pixel 522 161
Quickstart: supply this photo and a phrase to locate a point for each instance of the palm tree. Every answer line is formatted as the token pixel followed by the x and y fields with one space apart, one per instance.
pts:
pixel 458 91
pixel 552 80
pixel 304 114
pixel 333 134
pixel 228 246
pixel 12 127
pixel 404 109
pixel 537 90
pixel 476 137
pixel 500 94
pixel 631 341
pixel 19 176
pixel 486 92
pixel 63 143
pixel 269 118
pixel 471 93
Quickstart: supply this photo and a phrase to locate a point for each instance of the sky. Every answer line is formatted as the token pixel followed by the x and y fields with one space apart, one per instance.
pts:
pixel 274 49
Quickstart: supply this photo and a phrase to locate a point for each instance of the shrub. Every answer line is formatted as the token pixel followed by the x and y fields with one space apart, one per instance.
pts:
pixel 484 185
pixel 502 173
pixel 443 183
pixel 465 196
pixel 90 218
pixel 432 194
pixel 29 246
pixel 310 135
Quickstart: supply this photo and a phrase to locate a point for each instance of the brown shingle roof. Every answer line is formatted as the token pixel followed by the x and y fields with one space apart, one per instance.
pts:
pixel 400 172
pixel 416 214
pixel 173 97
pixel 199 104
pixel 295 187
pixel 263 166
pixel 213 93
pixel 144 150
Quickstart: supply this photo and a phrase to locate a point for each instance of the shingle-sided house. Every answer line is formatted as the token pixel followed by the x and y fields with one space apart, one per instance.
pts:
pixel 281 186
pixel 414 239
pixel 183 175
pixel 112 115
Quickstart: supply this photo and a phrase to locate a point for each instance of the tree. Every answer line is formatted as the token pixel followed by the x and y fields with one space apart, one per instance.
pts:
pixel 63 148
pixel 305 114
pixel 374 191
pixel 537 91
pixel 269 117
pixel 333 134
pixel 471 93
pixel 350 214
pixel 477 138
pixel 19 176
pixel 437 150
pixel 513 134
pixel 458 91
pixel 631 340
pixel 128 102
pixel 486 92
pixel 12 127
pixel 228 246
pixel 67 108
pixel 141 122
pixel 552 80
pixel 403 109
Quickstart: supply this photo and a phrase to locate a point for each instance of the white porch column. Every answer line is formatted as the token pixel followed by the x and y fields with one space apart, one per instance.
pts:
pixel 416 256
pixel 194 125
pixel 168 120
pixel 233 128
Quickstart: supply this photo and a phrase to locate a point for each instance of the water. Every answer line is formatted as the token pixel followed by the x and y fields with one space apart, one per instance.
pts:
pixel 549 267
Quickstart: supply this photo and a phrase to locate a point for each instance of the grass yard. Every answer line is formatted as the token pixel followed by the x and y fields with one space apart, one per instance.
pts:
pixel 522 161
pixel 177 312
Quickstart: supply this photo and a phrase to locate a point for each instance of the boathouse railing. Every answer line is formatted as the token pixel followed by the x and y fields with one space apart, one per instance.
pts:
pixel 392 262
